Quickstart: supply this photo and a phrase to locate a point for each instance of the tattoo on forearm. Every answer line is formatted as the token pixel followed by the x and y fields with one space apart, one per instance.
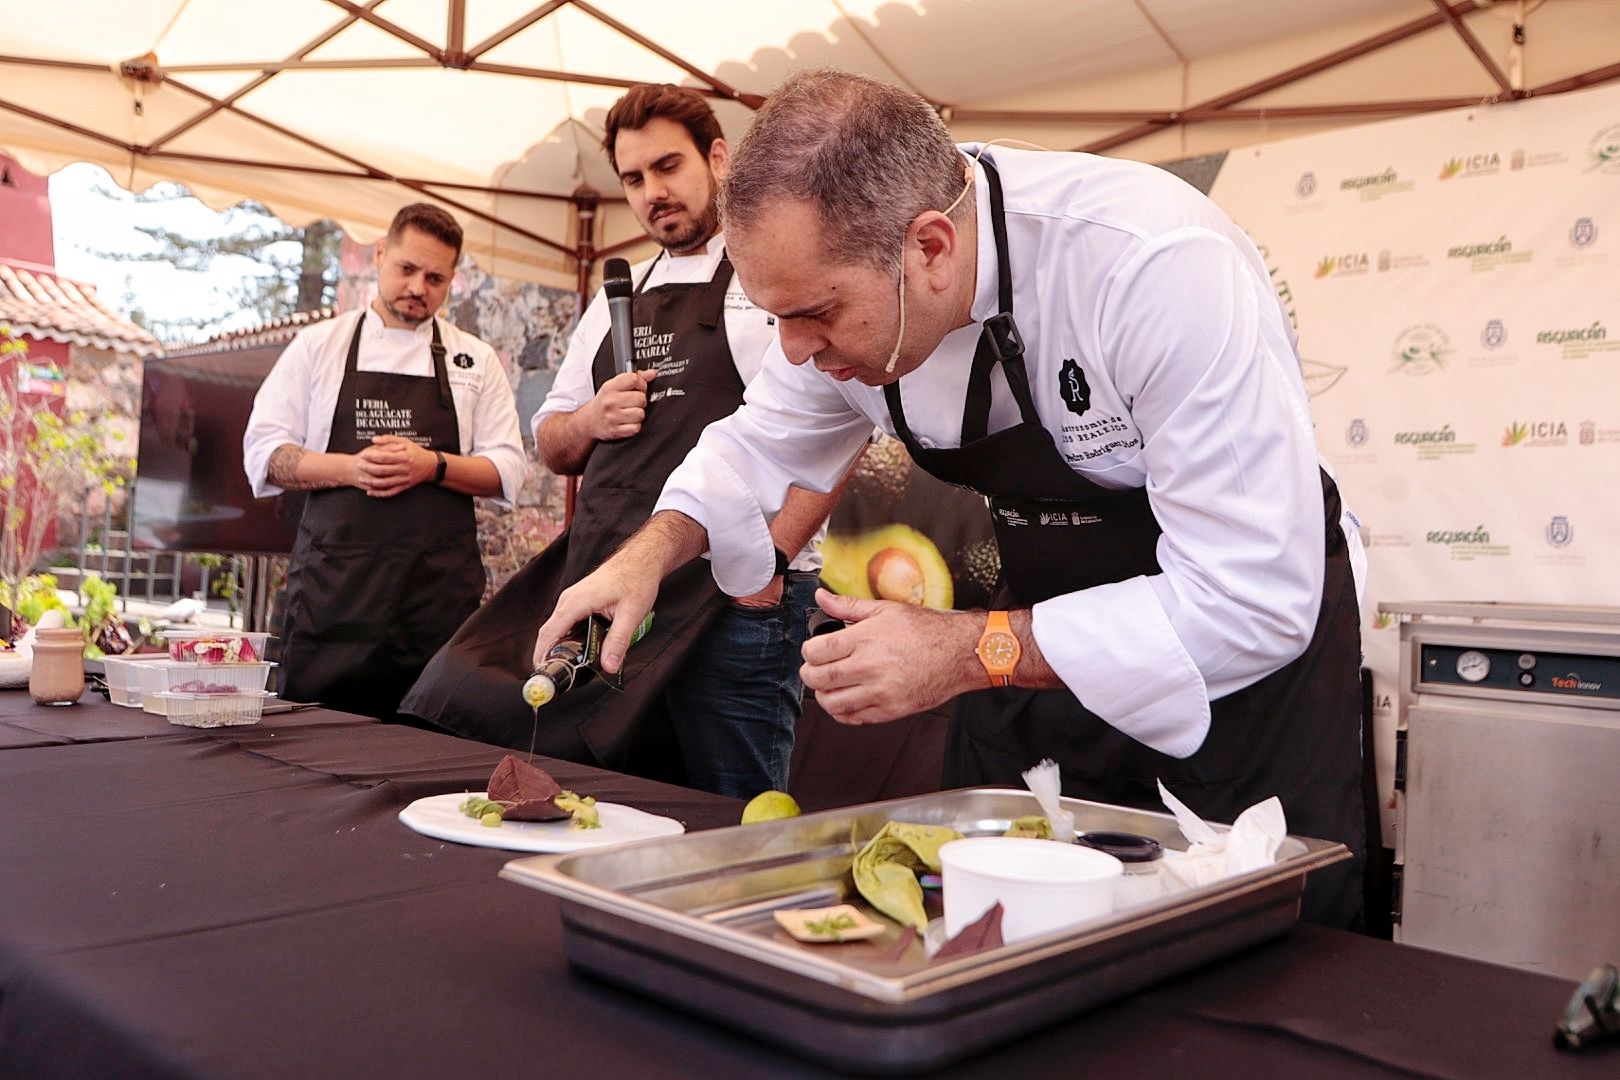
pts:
pixel 283 470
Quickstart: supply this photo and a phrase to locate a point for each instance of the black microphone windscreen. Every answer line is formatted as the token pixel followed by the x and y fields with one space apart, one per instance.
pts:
pixel 616 278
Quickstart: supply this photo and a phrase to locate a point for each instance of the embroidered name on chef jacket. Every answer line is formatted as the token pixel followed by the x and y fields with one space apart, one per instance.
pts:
pixel 1092 435
pixel 377 416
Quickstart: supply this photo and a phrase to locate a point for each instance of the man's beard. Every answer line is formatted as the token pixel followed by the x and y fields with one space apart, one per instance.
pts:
pixel 412 321
pixel 695 235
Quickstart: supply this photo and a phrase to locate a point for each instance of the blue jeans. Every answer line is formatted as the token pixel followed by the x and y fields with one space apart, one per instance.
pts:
pixel 735 701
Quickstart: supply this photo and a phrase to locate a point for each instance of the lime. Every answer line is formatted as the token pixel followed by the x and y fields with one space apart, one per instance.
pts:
pixel 769 806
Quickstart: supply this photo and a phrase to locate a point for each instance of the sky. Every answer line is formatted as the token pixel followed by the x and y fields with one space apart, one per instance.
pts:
pixel 93 218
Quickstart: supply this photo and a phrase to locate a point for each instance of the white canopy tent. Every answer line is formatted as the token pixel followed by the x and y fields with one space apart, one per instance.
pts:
pixel 493 108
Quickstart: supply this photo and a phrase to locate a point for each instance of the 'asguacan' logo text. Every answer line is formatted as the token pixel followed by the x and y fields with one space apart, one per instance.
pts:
pixel 1375 186
pixel 1467 545
pixel 1578 341
pixel 1488 254
pixel 1434 443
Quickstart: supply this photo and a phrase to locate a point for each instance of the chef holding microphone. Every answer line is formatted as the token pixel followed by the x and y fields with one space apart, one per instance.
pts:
pixel 663 351
pixel 1096 348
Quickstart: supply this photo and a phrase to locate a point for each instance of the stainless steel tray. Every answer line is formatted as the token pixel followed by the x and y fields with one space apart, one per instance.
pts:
pixel 687 920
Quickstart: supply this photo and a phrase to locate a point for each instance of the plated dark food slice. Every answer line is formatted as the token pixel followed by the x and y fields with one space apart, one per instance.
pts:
pixel 527 791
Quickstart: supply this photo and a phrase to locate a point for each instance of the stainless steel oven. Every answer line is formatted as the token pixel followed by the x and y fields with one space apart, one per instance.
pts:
pixel 1508 783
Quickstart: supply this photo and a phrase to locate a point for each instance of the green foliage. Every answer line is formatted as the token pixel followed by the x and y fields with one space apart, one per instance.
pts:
pixel 47 461
pixel 99 623
pixel 36 595
pixel 226 585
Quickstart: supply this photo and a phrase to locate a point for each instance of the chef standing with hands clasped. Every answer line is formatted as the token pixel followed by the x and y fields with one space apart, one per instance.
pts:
pixel 1096 348
pixel 393 420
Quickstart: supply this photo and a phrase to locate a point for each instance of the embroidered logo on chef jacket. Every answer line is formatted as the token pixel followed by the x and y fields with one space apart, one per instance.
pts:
pixel 462 360
pixel 1011 516
pixel 1072 385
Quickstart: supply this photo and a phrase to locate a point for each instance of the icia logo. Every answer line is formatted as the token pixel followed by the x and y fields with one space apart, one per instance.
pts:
pixel 1355 262
pixel 1383 620
pixel 1306 185
pixel 1582 233
pixel 1560 532
pixel 1471 165
pixel 1536 433
pixel 1494 334
pixel 1603 151
pixel 1356 433
pixel 1421 350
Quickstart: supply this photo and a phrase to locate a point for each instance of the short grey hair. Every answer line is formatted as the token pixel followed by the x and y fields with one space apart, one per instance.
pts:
pixel 869 157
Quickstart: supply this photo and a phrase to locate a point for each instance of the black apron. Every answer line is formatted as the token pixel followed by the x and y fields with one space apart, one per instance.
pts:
pixel 377 585
pixel 1294 734
pixel 473 686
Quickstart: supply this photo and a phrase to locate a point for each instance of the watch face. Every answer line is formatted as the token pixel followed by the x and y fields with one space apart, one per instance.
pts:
pixel 998 650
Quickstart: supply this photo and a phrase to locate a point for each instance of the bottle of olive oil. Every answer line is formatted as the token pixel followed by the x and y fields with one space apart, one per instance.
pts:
pixel 572 661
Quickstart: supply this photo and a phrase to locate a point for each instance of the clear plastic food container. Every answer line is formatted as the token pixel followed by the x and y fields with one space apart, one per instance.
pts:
pixel 123 676
pixel 213 710
pixel 169 675
pixel 216 646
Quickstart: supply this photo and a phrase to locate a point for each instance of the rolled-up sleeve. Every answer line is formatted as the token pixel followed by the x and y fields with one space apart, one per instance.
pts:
pixel 1233 481
pixel 496 432
pixel 794 429
pixel 280 414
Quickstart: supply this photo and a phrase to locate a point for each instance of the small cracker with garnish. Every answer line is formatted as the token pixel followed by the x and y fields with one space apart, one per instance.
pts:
pixel 845 922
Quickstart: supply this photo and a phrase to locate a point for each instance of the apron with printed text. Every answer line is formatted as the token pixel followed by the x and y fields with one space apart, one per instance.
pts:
pixel 473 686
pixel 1294 734
pixel 377 585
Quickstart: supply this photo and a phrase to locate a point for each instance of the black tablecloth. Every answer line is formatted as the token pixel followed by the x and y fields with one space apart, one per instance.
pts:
pixel 244 902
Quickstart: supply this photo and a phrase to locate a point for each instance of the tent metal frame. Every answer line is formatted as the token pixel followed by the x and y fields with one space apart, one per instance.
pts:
pixel 457 55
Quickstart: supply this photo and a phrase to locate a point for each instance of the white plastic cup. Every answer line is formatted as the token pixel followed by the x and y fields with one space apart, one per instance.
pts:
pixel 1042 885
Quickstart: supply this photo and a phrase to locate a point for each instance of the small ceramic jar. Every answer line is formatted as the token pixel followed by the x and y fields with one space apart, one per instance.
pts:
pixel 57 677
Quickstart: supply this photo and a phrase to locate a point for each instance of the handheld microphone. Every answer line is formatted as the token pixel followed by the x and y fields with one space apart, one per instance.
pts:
pixel 616 283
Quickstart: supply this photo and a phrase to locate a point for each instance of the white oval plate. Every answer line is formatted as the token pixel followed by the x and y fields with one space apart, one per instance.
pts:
pixel 438 816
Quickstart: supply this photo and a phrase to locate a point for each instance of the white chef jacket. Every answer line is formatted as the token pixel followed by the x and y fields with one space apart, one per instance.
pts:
pixel 750 331
pixel 297 399
pixel 1196 395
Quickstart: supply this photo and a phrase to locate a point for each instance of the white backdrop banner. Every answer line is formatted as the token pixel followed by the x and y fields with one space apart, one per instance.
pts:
pixel 1455 279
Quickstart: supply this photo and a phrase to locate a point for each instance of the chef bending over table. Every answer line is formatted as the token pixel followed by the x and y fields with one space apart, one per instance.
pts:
pixel 1097 349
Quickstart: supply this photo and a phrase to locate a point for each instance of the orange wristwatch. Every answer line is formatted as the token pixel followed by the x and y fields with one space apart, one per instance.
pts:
pixel 999 649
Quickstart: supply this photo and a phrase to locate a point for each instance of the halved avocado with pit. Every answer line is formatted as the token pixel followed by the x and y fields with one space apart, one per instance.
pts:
pixel 893 562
